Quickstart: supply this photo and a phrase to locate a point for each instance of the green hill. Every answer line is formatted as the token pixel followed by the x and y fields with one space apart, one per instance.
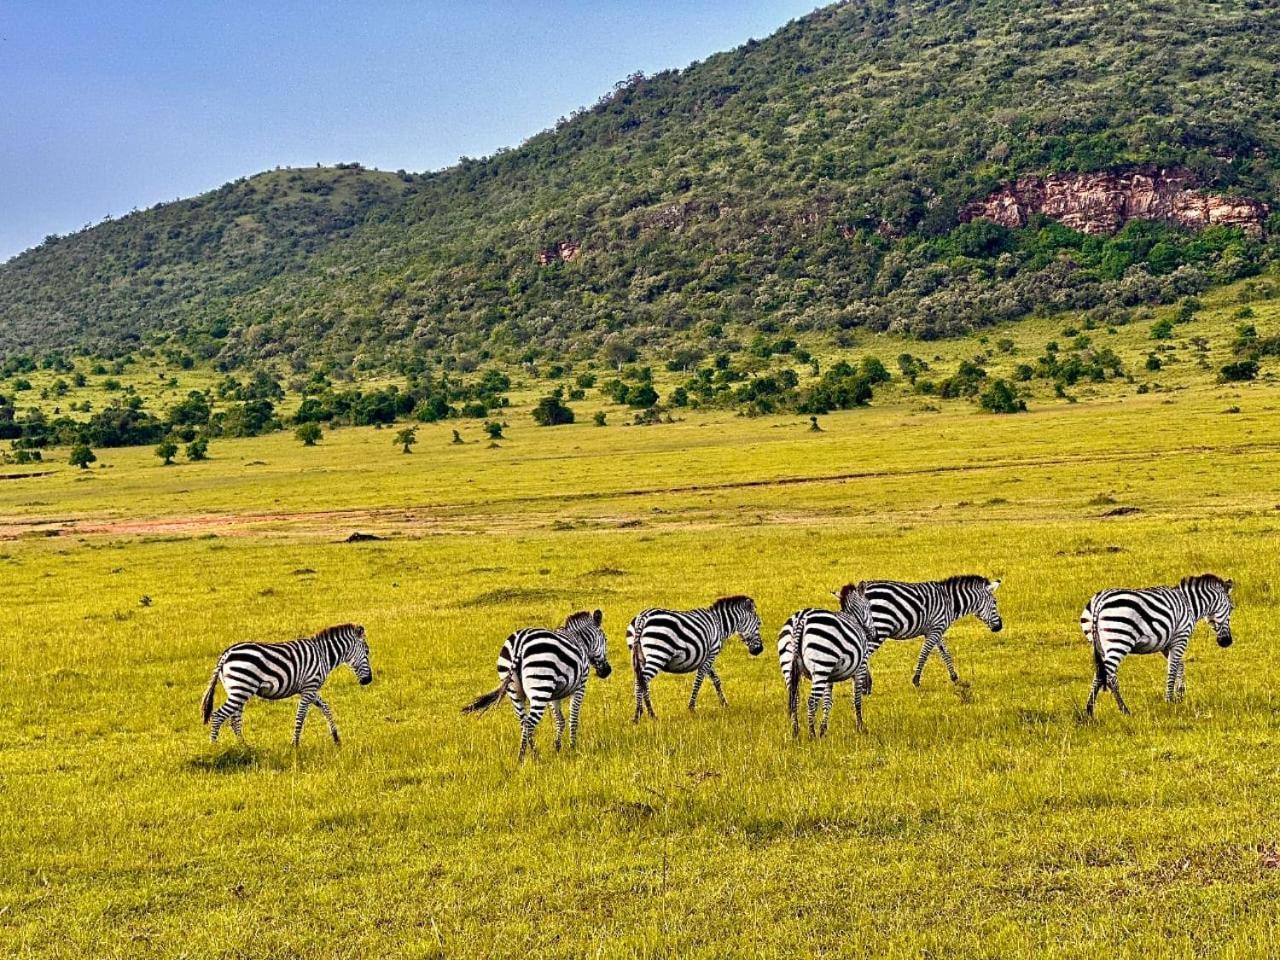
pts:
pixel 814 181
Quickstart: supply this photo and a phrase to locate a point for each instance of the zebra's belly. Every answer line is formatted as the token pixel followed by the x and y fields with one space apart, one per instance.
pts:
pixel 1148 645
pixel 272 690
pixel 682 662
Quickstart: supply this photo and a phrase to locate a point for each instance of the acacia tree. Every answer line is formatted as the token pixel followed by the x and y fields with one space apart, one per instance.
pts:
pixel 309 434
pixel 166 450
pixel 405 439
pixel 82 456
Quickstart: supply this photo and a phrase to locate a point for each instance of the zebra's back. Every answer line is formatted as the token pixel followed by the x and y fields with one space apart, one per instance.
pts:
pixel 902 610
pixel 683 638
pixel 272 670
pixel 1144 620
pixel 545 662
pixel 829 643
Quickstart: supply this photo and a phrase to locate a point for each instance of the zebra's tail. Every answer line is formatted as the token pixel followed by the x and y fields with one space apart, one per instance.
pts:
pixel 793 675
pixel 1095 641
pixel 637 653
pixel 206 706
pixel 482 703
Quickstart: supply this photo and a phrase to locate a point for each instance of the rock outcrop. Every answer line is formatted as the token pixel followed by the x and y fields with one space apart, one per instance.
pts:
pixel 1104 202
pixel 563 252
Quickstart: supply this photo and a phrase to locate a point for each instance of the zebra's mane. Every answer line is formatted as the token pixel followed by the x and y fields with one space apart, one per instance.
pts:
pixel 330 633
pixel 733 601
pixel 579 619
pixel 965 580
pixel 1205 580
pixel 847 589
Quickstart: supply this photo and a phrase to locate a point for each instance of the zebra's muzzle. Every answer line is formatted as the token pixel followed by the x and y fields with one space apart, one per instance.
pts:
pixel 365 681
pixel 603 670
pixel 1224 639
pixel 997 626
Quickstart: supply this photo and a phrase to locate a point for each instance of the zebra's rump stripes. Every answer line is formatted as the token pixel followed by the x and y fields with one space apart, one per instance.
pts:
pixel 538 666
pixel 827 647
pixel 685 641
pixel 275 671
pixel 903 610
pixel 1119 622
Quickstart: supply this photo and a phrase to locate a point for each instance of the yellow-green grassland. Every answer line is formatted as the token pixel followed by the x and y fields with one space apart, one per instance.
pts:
pixel 984 819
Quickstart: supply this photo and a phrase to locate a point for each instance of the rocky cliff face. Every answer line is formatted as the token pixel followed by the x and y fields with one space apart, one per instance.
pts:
pixel 1104 202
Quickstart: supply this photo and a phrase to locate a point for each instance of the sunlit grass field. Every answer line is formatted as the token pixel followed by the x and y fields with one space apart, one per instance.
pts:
pixel 979 820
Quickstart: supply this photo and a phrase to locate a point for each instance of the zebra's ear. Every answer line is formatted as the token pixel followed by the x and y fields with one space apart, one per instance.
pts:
pixel 598 616
pixel 1230 584
pixel 995 585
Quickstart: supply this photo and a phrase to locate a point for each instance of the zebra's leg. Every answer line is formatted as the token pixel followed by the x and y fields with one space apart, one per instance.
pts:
pixel 231 710
pixel 304 704
pixel 697 685
pixel 237 723
pixel 532 714
pixel 559 718
pixel 864 681
pixel 815 697
pixel 715 682
pixel 857 703
pixel 946 658
pixel 826 708
pixel 1099 681
pixel 517 702
pixel 328 715
pixel 1174 686
pixel 930 642
pixel 650 673
pixel 575 709
pixel 1113 681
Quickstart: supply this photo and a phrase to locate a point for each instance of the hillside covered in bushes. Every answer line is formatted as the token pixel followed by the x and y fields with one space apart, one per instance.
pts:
pixel 817 180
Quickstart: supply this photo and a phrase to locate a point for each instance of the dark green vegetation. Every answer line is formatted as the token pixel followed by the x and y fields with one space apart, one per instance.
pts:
pixel 808 182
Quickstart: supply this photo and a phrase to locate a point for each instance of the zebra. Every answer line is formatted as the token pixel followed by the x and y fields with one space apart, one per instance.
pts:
pixel 275 671
pixel 538 666
pixel 826 646
pixel 1152 620
pixel 683 641
pixel 904 610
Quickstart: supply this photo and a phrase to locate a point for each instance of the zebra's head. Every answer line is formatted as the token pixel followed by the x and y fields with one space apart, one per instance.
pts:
pixel 976 595
pixel 585 627
pixel 853 601
pixel 357 656
pixel 741 617
pixel 1210 597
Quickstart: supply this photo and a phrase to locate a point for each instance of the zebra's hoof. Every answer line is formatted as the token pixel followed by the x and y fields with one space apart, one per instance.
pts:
pixel 915 681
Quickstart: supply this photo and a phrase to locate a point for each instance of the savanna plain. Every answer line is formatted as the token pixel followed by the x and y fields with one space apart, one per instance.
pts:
pixel 982 819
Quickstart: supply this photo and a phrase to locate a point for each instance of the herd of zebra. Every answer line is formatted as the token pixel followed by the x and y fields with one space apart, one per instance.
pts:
pixel 541 666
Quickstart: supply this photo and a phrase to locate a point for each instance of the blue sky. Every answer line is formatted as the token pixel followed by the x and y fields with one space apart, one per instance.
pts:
pixel 110 106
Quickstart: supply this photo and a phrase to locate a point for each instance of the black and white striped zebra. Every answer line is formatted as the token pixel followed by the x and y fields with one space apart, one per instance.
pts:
pixel 1152 620
pixel 903 611
pixel 538 666
pixel 275 671
pixel 685 641
pixel 828 647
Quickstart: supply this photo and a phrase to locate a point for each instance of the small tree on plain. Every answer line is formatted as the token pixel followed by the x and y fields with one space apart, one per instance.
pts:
pixel 166 450
pixel 494 429
pixel 198 449
pixel 405 439
pixel 82 456
pixel 309 434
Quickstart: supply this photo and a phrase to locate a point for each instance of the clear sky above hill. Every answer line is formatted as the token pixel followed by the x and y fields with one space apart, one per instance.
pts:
pixel 113 105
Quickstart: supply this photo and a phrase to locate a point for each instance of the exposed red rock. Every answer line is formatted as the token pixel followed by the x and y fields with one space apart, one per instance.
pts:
pixel 1104 202
pixel 563 252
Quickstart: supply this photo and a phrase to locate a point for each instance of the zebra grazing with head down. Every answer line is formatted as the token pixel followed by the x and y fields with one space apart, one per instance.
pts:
pixel 538 666
pixel 274 671
pixel 827 647
pixel 902 611
pixel 684 641
pixel 1152 620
